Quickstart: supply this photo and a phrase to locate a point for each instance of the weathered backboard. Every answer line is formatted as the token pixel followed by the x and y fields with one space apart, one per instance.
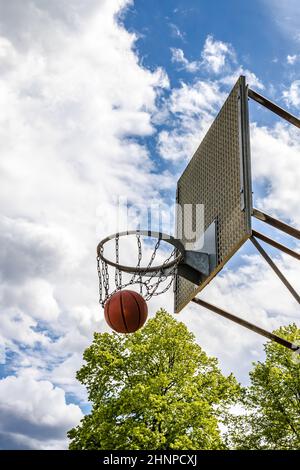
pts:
pixel 218 176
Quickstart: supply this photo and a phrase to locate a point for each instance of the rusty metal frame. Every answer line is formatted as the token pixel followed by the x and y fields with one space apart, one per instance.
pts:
pixel 274 107
pixel 289 230
pixel 275 244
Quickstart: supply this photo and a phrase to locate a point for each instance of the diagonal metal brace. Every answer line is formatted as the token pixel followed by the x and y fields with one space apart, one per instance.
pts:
pixel 276 223
pixel 274 107
pixel 275 269
pixel 257 329
pixel 275 244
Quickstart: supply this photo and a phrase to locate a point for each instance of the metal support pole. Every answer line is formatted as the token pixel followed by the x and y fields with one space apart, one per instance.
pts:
pixel 276 223
pixel 275 244
pixel 275 269
pixel 274 107
pixel 246 324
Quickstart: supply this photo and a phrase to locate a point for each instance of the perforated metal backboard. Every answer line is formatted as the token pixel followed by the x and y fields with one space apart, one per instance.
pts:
pixel 218 176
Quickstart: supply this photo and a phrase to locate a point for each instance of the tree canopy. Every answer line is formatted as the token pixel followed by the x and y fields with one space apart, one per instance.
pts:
pixel 271 404
pixel 154 389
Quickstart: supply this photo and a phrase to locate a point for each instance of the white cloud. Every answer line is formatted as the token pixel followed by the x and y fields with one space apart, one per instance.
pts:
pixel 35 411
pixel 24 242
pixel 19 327
pixel 275 158
pixel 291 59
pixel 178 57
pixel 63 374
pixel 215 53
pixel 215 57
pixel 73 97
pixel 8 55
pixel 193 108
pixel 175 31
pixel 192 100
pixel 35 296
pixel 292 95
pixel 251 79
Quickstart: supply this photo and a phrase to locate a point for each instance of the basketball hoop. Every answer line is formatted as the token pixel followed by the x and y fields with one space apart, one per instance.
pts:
pixel 150 279
pixel 225 150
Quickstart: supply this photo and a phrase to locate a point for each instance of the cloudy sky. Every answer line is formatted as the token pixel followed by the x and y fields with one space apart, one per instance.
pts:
pixel 108 98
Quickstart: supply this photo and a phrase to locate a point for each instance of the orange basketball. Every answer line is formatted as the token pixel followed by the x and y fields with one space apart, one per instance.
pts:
pixel 126 311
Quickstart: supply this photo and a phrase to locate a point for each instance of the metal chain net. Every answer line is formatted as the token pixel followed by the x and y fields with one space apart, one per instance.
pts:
pixel 150 284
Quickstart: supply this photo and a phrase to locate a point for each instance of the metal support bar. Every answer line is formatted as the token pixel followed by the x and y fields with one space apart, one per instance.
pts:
pixel 248 325
pixel 275 244
pixel 275 269
pixel 276 223
pixel 274 107
pixel 244 151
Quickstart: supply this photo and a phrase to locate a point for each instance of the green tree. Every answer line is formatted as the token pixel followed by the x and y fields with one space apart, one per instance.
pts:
pixel 154 389
pixel 272 402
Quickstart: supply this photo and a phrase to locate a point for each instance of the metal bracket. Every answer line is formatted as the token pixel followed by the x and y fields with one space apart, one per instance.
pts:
pixel 200 262
pixel 194 266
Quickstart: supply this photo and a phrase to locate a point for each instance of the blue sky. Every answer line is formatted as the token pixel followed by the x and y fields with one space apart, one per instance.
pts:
pixel 109 98
pixel 253 28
